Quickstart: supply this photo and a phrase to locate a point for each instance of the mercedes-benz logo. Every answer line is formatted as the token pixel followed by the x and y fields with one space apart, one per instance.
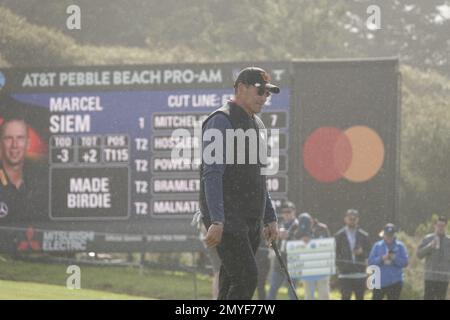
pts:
pixel 3 209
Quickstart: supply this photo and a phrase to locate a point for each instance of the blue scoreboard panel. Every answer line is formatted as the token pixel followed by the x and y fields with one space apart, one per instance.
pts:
pixel 101 152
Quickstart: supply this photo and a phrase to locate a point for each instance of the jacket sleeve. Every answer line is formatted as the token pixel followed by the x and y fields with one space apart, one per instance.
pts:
pixel 424 248
pixel 376 256
pixel 401 258
pixel 213 172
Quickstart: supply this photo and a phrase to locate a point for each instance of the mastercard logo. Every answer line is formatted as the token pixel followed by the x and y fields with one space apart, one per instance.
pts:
pixel 356 154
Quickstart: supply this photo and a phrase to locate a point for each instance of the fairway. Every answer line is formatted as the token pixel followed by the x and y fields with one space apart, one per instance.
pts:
pixel 13 290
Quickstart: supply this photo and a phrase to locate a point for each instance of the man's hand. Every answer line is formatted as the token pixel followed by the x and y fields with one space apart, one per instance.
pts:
pixel 388 258
pixel 271 232
pixel 214 235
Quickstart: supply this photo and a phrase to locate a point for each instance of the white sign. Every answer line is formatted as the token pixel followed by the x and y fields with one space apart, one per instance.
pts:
pixel 315 258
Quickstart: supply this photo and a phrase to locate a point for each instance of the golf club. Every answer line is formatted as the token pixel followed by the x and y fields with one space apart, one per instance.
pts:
pixel 283 266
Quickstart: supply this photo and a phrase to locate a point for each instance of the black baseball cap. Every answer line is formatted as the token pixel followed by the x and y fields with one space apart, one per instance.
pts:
pixel 256 77
pixel 390 229
pixel 287 205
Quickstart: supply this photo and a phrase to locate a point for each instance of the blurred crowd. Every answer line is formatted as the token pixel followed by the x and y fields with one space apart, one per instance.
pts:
pixel 360 264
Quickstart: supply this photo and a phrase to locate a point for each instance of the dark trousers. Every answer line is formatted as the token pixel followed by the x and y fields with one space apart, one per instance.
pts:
pixel 350 286
pixel 435 290
pixel 392 292
pixel 263 263
pixel 238 275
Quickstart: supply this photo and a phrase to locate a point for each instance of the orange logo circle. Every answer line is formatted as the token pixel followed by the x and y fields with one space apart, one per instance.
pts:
pixel 355 154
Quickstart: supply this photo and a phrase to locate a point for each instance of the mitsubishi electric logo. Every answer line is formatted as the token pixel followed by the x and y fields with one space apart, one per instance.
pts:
pixel 3 209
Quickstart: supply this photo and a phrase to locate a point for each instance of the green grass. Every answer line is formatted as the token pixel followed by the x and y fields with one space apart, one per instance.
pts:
pixel 16 290
pixel 121 280
pixel 23 280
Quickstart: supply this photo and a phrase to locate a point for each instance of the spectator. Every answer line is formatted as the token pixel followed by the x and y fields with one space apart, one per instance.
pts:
pixel 287 232
pixel 435 248
pixel 352 250
pixel 308 229
pixel 391 256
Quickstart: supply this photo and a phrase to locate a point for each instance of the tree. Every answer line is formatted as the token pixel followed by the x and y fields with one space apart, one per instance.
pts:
pixel 251 29
pixel 254 30
pixel 24 44
pixel 416 31
pixel 425 146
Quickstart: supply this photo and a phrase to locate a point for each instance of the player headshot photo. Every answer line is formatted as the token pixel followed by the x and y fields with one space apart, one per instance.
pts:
pixel 22 174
